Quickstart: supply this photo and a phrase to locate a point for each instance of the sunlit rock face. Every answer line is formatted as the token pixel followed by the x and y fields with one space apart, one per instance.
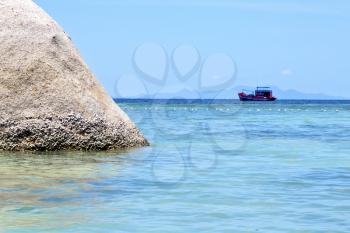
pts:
pixel 49 99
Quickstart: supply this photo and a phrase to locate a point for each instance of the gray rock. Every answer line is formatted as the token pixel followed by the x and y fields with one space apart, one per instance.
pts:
pixel 49 99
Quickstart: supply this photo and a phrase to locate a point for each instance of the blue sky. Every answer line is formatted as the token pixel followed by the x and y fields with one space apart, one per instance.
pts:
pixel 292 44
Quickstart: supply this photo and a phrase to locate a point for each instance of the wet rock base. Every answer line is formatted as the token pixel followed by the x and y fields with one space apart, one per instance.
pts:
pixel 67 133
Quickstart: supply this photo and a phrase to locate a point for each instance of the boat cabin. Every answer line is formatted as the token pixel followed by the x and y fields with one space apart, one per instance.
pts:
pixel 263 92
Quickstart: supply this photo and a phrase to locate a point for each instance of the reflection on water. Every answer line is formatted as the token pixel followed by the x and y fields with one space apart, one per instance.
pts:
pixel 32 183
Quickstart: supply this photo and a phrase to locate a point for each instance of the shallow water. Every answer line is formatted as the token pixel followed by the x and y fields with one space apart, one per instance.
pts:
pixel 219 167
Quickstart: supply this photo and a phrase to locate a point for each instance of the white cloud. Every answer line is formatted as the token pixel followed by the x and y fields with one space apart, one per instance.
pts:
pixel 287 72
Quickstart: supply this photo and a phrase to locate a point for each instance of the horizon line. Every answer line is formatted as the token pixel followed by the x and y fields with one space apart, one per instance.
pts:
pixel 136 98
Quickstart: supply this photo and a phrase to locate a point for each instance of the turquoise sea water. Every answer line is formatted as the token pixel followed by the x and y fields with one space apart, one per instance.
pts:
pixel 212 167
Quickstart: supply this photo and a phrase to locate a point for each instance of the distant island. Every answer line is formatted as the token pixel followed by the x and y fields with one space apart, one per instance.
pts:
pixel 231 93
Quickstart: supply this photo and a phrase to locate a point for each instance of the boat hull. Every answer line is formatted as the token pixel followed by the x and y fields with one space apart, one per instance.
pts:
pixel 257 99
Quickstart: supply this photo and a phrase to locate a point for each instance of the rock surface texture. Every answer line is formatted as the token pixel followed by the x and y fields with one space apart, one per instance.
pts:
pixel 49 99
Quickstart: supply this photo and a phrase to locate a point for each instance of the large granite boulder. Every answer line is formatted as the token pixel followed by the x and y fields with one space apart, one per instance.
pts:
pixel 49 99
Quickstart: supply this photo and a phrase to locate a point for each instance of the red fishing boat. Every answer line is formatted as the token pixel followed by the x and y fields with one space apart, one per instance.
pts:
pixel 260 94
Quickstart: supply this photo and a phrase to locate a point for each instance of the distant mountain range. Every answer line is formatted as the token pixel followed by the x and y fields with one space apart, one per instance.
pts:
pixel 291 94
pixel 233 94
